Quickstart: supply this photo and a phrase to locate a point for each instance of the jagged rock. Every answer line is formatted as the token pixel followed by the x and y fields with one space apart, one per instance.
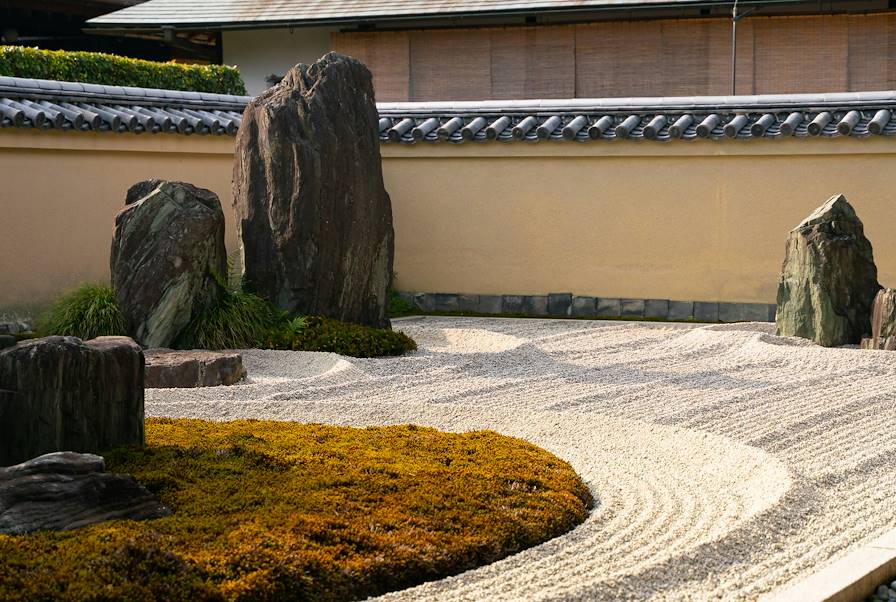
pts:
pixel 829 280
pixel 60 393
pixel 65 490
pixel 883 322
pixel 185 369
pixel 167 249
pixel 313 215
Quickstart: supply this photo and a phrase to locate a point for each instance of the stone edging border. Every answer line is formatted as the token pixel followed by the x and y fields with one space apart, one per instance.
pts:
pixel 559 305
pixel 850 579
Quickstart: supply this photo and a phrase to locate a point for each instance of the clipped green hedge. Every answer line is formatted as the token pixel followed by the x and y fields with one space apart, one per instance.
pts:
pixel 112 70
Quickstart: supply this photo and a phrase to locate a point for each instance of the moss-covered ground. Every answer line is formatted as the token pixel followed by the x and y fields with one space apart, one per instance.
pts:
pixel 267 510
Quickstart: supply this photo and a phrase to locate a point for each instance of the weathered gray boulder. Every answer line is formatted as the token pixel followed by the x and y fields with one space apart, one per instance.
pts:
pixel 829 280
pixel 167 249
pixel 184 369
pixel 883 322
pixel 65 490
pixel 63 394
pixel 314 218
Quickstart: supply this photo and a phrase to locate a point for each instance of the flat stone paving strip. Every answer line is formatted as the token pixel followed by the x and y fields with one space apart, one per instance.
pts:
pixel 727 463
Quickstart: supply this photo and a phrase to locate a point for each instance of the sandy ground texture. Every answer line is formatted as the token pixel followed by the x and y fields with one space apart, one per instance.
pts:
pixel 725 462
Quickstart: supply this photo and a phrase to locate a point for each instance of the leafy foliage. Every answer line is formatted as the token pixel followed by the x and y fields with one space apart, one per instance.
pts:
pixel 109 69
pixel 398 306
pixel 326 334
pixel 86 312
pixel 267 510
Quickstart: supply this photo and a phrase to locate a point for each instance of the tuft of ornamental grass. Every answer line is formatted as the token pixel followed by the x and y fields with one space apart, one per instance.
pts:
pixel 238 321
pixel 86 312
pixel 265 510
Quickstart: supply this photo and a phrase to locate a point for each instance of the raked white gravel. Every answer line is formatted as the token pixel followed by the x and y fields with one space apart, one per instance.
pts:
pixel 725 462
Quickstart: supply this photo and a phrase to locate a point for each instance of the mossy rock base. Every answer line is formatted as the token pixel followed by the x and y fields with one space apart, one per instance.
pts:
pixel 267 510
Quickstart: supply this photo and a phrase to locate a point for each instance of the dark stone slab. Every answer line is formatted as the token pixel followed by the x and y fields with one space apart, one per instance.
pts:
pixel 743 312
pixel 632 308
pixel 169 369
pixel 584 307
pixel 446 302
pixel 469 303
pixel 313 214
pixel 559 304
pixel 491 304
pixel 512 304
pixel 829 279
pixel 608 307
pixel 656 308
pixel 535 305
pixel 706 311
pixel 681 310
pixel 66 490
pixel 425 301
pixel 70 395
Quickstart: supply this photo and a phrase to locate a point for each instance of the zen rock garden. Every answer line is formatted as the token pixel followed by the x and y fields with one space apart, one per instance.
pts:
pixel 316 241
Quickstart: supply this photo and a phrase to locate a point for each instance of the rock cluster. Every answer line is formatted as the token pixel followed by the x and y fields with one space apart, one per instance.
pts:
pixel 184 369
pixel 167 251
pixel 883 322
pixel 314 218
pixel 63 394
pixel 829 279
pixel 65 490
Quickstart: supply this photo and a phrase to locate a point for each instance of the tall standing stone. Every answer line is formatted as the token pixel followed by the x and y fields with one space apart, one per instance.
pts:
pixel 883 322
pixel 314 218
pixel 829 280
pixel 167 250
pixel 63 394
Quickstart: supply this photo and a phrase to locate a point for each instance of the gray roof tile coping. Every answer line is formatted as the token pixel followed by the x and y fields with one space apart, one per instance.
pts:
pixel 857 114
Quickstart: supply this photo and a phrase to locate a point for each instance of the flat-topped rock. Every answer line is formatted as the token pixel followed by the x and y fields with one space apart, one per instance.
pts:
pixel 65 490
pixel 65 394
pixel 166 368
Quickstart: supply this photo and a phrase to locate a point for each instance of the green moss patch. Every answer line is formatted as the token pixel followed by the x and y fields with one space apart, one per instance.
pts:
pixel 268 510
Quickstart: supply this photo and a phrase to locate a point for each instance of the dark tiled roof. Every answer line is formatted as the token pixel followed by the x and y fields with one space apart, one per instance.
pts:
pixel 245 13
pixel 47 104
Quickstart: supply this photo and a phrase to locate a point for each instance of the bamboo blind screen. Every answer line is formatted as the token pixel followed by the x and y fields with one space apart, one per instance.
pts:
pixel 666 57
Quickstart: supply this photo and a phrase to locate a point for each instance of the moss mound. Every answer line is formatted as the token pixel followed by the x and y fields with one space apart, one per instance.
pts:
pixel 325 334
pixel 284 511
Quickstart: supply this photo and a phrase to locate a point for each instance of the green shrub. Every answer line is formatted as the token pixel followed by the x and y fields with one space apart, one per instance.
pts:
pixel 326 334
pixel 87 312
pixel 398 306
pixel 266 510
pixel 112 70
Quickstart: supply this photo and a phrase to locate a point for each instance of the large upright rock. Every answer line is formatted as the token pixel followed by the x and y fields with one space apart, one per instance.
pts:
pixel 63 394
pixel 313 215
pixel 883 322
pixel 829 280
pixel 167 250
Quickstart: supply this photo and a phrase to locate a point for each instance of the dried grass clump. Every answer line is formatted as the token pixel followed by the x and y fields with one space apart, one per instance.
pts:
pixel 285 511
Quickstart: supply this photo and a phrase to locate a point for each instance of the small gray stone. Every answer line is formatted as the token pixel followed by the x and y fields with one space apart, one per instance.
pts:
pixel 513 304
pixel 584 307
pixel 559 304
pixel 706 311
pixel 7 340
pixel 167 369
pixel 446 302
pixel 656 308
pixel 633 308
pixel 608 308
pixel 491 304
pixel 424 302
pixel 681 310
pixel 882 590
pixel 468 303
pixel 535 305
